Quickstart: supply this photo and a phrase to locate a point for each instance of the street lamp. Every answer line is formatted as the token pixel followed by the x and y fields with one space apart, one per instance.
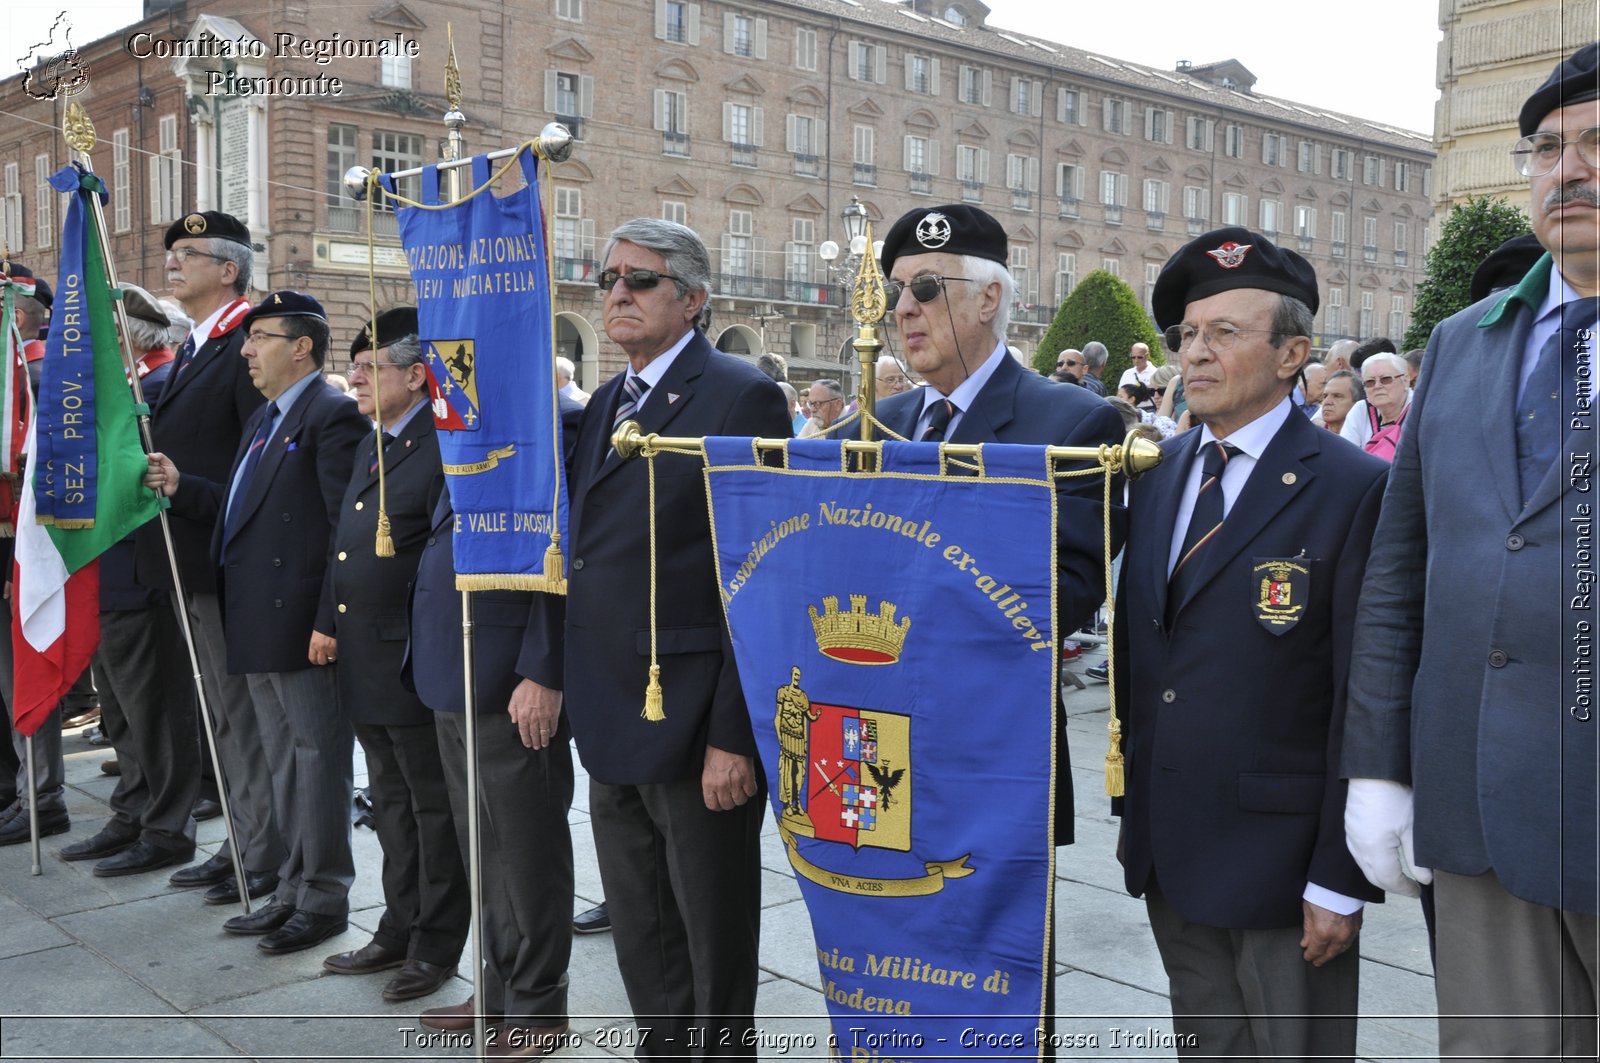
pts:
pixel 854 217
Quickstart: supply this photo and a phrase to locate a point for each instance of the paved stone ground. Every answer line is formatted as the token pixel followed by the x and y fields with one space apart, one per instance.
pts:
pixel 131 969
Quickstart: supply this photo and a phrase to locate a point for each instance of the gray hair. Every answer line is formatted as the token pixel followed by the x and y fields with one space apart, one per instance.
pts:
pixel 405 351
pixel 788 391
pixel 682 249
pixel 239 255
pixel 1094 354
pixel 1358 391
pixel 983 272
pixel 1290 318
pixel 564 367
pixel 1397 361
pixel 144 335
pixel 829 385
pixel 182 323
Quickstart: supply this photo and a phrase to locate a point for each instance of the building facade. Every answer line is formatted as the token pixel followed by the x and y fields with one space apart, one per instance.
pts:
pixel 1493 55
pixel 754 123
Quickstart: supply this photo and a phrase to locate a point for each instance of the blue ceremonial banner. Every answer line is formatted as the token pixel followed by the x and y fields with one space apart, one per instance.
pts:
pixel 895 637
pixel 67 455
pixel 483 311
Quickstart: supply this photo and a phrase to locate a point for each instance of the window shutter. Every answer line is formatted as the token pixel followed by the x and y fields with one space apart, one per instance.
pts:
pixel 933 158
pixel 156 162
pixel 662 104
pixel 988 87
pixel 911 65
pixel 585 96
pixel 550 92
pixel 661 20
pixel 790 138
pixel 727 32
pixel 1107 109
pixel 880 63
pixel 1033 175
pixel 983 165
pixel 1149 123
pixel 694 23
pixel 855 61
pixel 1036 98
pixel 933 66
pixel 761 38
pixel 760 139
pixel 727 123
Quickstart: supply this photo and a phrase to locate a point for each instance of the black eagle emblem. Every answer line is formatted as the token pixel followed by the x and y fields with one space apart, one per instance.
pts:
pixel 887 780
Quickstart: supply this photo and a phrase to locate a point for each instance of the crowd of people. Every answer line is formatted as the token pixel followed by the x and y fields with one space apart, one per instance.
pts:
pixel 1339 626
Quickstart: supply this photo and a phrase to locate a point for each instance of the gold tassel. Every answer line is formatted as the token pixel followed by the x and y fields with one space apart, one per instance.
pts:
pixel 554 569
pixel 652 697
pixel 1114 777
pixel 385 537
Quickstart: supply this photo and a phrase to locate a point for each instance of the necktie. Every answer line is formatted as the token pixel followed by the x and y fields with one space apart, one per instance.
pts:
pixel 939 415
pixel 185 353
pixel 1204 522
pixel 383 446
pixel 252 458
pixel 1539 414
pixel 633 389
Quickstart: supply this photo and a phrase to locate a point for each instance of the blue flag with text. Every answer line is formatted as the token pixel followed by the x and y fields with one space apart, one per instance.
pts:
pixel 895 638
pixel 483 310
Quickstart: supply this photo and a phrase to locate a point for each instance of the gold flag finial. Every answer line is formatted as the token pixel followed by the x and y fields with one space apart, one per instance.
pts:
pixel 79 130
pixel 452 72
pixel 867 300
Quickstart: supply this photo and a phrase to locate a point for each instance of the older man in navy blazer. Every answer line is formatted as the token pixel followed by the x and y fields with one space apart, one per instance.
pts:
pixel 1233 627
pixel 274 517
pixel 674 801
pixel 1471 703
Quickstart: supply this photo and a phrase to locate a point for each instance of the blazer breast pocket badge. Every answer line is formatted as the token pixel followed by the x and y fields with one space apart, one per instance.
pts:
pixel 1280 587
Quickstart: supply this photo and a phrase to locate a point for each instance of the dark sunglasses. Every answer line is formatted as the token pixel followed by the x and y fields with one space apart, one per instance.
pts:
pixel 636 280
pixel 924 289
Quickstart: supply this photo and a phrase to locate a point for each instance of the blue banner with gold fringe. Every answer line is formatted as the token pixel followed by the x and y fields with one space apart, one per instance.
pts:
pixel 895 637
pixel 483 311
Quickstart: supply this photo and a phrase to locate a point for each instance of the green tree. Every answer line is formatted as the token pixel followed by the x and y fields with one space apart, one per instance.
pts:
pixel 1472 230
pixel 1100 308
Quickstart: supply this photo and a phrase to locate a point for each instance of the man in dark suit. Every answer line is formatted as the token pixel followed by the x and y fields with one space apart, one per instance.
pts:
pixel 675 799
pixel 143 677
pixel 198 423
pixel 426 907
pixel 274 518
pixel 1233 627
pixel 525 782
pixel 1471 709
pixel 951 294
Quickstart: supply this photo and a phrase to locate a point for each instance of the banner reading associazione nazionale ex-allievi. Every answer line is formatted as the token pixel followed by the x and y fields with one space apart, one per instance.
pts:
pixel 895 639
pixel 483 312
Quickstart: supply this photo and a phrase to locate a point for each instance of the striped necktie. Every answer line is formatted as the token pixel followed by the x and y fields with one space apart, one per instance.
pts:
pixel 939 415
pixel 1204 522
pixel 633 389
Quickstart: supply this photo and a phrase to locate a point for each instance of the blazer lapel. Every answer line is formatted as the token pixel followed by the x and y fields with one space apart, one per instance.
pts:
pixel 404 445
pixel 204 355
pixel 663 402
pixel 1160 490
pixel 272 456
pixel 994 407
pixel 1499 372
pixel 1278 477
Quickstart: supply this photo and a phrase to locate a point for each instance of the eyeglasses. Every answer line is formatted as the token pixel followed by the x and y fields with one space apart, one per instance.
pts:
pixel 1380 381
pixel 1217 337
pixel 184 254
pixel 924 289
pixel 1539 153
pixel 258 336
pixel 636 280
pixel 1068 364
pixel 367 367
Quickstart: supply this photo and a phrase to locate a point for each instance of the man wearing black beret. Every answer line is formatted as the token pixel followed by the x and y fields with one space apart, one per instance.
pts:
pixel 1233 628
pixel 424 922
pixel 1471 748
pixel 273 516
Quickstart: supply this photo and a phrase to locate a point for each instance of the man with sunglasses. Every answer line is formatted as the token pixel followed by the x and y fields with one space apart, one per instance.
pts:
pixel 1233 629
pixel 272 516
pixel 1471 744
pixel 675 803
pixel 198 423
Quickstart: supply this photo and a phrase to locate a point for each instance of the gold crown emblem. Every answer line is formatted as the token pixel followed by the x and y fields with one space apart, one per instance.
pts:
pixel 859 637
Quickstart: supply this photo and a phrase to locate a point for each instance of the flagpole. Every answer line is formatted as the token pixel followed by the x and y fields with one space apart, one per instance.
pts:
pixel 80 135
pixel 33 805
pixel 455 151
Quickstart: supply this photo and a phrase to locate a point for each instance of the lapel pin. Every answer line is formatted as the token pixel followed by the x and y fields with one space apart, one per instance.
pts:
pixel 672 396
pixel 1288 477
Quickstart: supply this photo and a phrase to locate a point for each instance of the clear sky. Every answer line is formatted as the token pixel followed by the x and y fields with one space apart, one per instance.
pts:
pixel 1371 58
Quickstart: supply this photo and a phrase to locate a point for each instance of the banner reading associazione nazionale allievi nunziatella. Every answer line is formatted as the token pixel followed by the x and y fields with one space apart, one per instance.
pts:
pixel 894 634
pixel 483 311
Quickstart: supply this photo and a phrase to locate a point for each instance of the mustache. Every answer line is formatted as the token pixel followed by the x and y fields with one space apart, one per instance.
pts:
pixel 1575 192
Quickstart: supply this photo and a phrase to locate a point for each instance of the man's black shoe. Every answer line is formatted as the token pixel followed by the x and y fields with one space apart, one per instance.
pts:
pixel 303 930
pixel 16 830
pixel 596 920
pixel 112 839
pixel 141 858
pixel 261 921
pixel 218 868
pixel 205 809
pixel 262 884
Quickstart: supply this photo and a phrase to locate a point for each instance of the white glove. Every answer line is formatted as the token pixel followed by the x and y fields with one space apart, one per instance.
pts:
pixel 1377 829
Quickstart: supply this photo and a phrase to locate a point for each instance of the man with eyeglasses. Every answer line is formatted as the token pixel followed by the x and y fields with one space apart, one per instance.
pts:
pixel 424 922
pixel 1141 371
pixel 272 516
pixel 1070 362
pixel 1471 742
pixel 198 423
pixel 827 403
pixel 676 804
pixel 1233 626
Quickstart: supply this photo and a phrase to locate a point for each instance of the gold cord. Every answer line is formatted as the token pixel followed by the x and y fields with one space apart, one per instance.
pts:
pixel 653 710
pixel 385 541
pixel 1114 767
